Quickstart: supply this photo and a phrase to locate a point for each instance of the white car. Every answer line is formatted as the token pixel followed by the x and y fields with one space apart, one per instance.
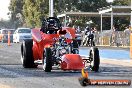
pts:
pixel 21 34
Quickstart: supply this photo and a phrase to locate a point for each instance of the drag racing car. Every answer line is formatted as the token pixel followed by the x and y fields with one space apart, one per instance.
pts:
pixel 56 46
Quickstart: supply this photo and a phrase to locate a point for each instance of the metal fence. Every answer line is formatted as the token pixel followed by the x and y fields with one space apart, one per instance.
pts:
pixel 108 38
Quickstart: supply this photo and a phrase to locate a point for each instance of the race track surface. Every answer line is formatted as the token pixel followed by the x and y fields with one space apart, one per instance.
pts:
pixel 13 75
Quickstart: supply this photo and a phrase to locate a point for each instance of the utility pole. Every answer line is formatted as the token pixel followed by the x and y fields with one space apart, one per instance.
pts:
pixel 131 33
pixel 131 15
pixel 51 8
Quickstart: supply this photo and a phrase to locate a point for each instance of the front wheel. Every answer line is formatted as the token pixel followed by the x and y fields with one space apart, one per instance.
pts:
pixel 47 60
pixel 27 54
pixel 94 55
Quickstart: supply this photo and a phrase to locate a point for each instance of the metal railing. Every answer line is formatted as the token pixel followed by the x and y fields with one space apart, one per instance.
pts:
pixel 107 38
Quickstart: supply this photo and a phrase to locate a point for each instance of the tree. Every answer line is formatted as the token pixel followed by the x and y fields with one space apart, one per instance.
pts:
pixel 121 23
pixel 16 6
pixel 34 11
pixel 122 2
pixel 62 6
pixel 92 6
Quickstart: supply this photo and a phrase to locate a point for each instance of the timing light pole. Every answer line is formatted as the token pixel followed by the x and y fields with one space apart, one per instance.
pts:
pixel 51 8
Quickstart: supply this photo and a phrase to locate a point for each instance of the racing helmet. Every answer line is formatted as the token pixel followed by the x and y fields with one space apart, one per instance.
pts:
pixel 53 23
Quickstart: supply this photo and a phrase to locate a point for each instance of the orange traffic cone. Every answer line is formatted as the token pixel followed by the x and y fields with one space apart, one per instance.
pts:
pixel 84 74
pixel 9 42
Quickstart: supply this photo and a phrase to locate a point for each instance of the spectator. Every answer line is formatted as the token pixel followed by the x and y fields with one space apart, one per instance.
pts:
pixel 96 35
pixel 89 35
pixel 113 40
pixel 127 32
pixel 85 36
pixel 78 30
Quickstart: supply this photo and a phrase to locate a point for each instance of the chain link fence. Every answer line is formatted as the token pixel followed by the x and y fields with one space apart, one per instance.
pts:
pixel 109 38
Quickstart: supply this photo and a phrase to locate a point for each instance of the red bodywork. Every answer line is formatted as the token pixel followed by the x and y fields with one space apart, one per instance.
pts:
pixel 42 40
pixel 72 62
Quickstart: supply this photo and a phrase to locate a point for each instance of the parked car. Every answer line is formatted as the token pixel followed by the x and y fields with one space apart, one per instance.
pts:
pixel 4 35
pixel 21 34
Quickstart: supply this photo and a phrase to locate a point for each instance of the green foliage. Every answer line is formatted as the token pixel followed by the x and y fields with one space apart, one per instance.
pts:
pixel 15 7
pixel 90 5
pixel 122 2
pixel 121 23
pixel 33 11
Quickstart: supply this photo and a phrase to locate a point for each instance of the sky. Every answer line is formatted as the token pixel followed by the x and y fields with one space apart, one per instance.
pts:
pixel 4 9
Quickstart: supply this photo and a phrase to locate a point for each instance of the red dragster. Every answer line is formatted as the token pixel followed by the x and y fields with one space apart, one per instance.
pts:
pixel 55 46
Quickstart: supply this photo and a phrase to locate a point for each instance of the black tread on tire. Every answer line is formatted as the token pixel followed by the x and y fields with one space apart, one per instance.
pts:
pixel 47 60
pixel 27 54
pixel 94 53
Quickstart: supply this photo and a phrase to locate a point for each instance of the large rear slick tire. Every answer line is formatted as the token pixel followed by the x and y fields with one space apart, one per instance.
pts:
pixel 94 55
pixel 27 54
pixel 47 60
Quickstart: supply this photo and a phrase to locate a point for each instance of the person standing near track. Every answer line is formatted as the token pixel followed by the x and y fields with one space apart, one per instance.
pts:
pixel 88 37
pixel 85 36
pixel 127 32
pixel 113 39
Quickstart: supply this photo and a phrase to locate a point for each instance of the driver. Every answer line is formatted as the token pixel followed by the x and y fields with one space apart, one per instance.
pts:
pixel 53 25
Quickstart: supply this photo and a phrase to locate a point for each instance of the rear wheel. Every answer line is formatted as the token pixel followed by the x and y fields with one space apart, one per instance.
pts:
pixel 94 55
pixel 27 54
pixel 47 60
